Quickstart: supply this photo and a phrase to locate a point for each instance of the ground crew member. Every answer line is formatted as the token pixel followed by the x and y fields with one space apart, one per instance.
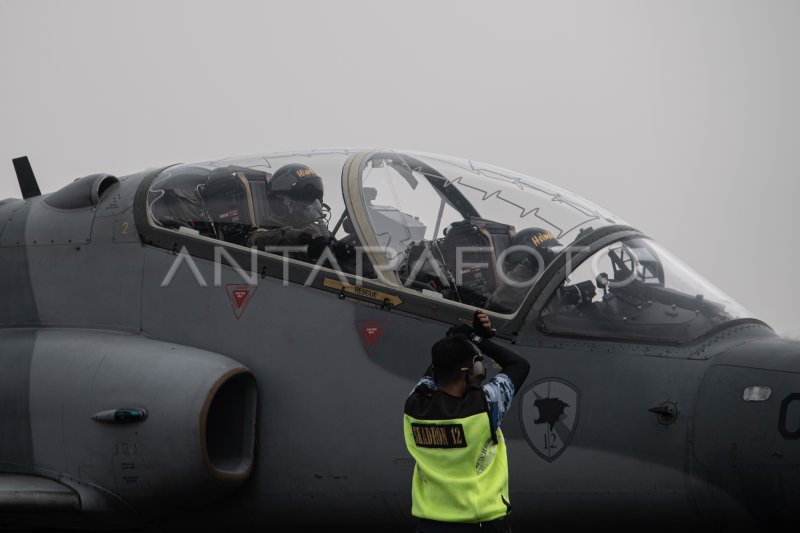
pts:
pixel 452 429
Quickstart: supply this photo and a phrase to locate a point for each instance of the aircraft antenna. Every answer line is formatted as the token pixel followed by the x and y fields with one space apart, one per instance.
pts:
pixel 26 178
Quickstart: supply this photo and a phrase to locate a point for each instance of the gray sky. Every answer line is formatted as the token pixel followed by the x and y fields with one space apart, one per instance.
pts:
pixel 681 117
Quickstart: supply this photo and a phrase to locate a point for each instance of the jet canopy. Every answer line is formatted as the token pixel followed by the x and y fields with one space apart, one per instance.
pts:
pixel 448 229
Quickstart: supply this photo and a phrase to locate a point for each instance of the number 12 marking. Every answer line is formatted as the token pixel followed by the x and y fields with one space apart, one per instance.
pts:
pixel 550 440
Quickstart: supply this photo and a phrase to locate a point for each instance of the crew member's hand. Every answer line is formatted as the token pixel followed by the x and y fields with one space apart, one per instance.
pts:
pixel 317 245
pixel 342 250
pixel 482 325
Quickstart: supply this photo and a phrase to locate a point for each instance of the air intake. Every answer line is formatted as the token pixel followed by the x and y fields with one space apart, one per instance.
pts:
pixel 228 427
pixel 82 193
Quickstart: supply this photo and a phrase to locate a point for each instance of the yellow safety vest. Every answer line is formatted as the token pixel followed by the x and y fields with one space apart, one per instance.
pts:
pixel 461 473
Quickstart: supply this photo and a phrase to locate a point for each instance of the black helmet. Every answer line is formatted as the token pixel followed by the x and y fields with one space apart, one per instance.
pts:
pixel 542 243
pixel 295 196
pixel 298 182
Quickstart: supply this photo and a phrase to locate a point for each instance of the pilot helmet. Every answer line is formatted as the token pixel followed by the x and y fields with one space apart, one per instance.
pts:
pixel 543 248
pixel 295 195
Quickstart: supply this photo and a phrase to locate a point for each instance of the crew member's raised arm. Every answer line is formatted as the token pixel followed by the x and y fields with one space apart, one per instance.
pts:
pixel 501 389
pixel 512 364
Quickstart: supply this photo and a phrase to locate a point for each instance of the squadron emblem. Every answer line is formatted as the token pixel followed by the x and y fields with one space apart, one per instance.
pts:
pixel 549 416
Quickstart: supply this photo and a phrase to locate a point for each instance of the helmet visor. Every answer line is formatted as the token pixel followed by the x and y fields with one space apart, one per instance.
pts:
pixel 307 190
pixel 303 189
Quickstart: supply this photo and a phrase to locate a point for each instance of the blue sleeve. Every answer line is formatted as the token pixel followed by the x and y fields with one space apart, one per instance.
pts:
pixel 426 382
pixel 499 392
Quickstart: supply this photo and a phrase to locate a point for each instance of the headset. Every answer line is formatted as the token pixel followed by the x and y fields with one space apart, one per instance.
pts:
pixel 476 373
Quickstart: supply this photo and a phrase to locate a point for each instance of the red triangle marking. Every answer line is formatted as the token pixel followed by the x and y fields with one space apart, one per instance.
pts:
pixel 371 332
pixel 240 296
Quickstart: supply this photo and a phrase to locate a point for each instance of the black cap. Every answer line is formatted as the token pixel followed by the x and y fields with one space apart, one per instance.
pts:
pixel 453 352
pixel 298 182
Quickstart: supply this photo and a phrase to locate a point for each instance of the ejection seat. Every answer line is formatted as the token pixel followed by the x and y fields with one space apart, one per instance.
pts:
pixel 469 253
pixel 236 202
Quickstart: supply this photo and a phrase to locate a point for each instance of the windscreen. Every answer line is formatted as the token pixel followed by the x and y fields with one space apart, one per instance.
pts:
pixel 635 289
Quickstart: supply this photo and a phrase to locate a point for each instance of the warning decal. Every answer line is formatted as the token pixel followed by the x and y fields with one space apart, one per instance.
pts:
pixel 371 332
pixel 240 296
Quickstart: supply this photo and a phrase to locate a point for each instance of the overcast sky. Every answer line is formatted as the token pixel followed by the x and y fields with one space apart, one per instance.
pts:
pixel 682 117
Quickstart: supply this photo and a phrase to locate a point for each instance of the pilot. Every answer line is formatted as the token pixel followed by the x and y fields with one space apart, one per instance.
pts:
pixel 530 250
pixel 460 481
pixel 296 213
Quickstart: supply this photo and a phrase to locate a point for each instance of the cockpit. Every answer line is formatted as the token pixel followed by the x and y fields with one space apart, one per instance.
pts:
pixel 450 230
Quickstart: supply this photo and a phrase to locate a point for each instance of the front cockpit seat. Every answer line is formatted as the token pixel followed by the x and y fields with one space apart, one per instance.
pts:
pixel 466 257
pixel 481 242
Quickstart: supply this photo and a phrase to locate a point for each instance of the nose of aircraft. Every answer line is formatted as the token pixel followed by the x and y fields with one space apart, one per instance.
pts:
pixel 746 440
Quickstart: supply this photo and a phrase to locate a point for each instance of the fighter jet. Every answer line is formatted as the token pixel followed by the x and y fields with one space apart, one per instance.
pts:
pixel 228 345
